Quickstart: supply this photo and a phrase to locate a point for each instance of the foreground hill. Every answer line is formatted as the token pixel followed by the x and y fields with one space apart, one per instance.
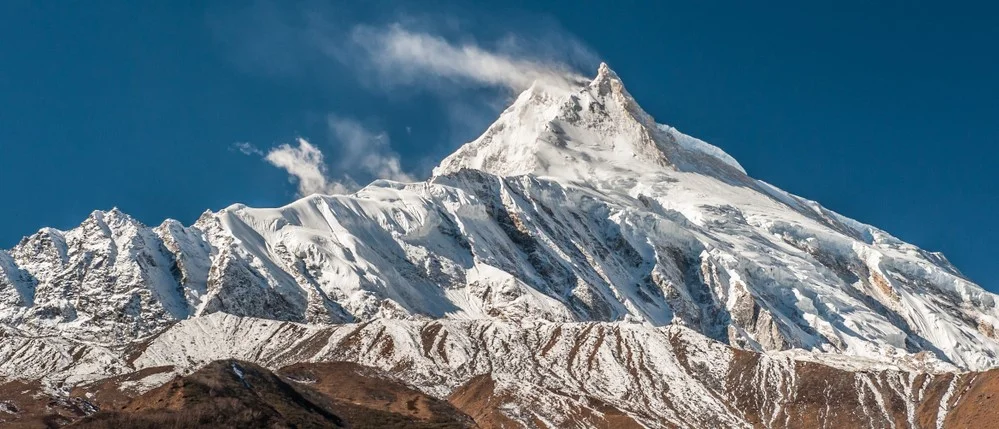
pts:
pixel 233 393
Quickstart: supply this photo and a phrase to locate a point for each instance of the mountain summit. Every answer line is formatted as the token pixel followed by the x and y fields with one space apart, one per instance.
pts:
pixel 575 231
pixel 595 134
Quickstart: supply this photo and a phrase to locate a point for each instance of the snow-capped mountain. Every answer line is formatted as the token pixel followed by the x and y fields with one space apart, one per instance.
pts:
pixel 574 206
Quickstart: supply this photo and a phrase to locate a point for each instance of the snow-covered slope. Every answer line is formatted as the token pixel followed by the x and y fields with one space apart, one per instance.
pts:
pixel 571 207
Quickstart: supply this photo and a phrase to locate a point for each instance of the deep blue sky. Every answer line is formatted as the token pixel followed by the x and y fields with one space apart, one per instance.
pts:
pixel 886 113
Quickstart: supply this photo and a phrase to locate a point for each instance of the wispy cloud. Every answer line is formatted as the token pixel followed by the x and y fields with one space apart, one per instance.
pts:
pixel 246 148
pixel 401 47
pixel 306 166
pixel 358 153
pixel 365 151
pixel 468 66
pixel 409 57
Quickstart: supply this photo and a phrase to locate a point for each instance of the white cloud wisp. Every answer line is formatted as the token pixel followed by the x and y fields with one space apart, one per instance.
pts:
pixel 402 56
pixel 360 152
pixel 306 167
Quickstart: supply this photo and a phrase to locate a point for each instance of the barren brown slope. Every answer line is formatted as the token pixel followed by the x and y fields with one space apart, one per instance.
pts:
pixel 974 401
pixel 367 397
pixel 480 399
pixel 821 397
pixel 242 394
pixel 223 394
pixel 26 405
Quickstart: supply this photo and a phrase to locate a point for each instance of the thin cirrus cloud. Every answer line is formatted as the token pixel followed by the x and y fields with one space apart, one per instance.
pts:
pixel 359 152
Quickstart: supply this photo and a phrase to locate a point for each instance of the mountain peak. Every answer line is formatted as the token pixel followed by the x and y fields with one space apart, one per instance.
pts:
pixel 595 133
pixel 604 70
pixel 607 79
pixel 605 74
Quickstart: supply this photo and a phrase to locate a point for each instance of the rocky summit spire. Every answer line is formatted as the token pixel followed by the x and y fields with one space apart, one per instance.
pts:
pixel 607 79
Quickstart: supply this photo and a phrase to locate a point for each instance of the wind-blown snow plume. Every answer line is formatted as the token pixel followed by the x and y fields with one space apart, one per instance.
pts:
pixel 472 79
pixel 408 56
pixel 401 48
